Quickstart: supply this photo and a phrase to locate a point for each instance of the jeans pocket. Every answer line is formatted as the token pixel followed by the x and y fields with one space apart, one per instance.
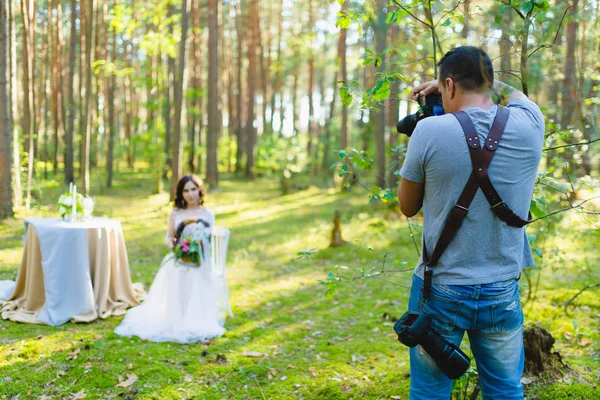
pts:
pixel 443 310
pixel 506 315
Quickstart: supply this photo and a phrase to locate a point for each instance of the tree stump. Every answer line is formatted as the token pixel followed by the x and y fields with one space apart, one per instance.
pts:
pixel 539 358
pixel 336 232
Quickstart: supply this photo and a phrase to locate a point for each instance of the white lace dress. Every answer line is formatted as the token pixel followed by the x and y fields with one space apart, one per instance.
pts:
pixel 184 304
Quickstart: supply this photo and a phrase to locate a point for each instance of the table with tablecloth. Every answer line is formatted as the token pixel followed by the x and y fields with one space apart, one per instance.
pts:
pixel 70 272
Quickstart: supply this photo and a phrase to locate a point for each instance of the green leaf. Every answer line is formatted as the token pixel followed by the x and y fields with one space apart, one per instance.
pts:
pixel 330 294
pixel 383 92
pixel 367 61
pixel 535 210
pixel 447 22
pixel 391 17
pixel 343 21
pixel 345 95
pixel 527 6
pixel 342 154
pixel 537 252
pixel 330 276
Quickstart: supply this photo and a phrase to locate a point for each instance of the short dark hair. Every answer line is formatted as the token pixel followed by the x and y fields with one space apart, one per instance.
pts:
pixel 179 200
pixel 468 66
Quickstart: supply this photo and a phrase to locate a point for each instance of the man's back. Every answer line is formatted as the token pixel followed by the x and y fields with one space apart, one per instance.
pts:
pixel 484 249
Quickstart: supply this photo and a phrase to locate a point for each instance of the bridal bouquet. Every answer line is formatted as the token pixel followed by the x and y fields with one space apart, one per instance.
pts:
pixel 189 251
pixel 192 250
pixel 74 205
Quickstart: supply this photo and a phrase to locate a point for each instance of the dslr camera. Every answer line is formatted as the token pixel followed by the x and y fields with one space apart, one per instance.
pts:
pixel 428 107
pixel 415 328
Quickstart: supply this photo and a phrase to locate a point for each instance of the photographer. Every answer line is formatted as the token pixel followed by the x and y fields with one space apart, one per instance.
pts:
pixel 474 282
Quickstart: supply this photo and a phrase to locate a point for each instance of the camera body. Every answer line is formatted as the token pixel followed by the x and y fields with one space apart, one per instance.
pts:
pixel 428 107
pixel 415 329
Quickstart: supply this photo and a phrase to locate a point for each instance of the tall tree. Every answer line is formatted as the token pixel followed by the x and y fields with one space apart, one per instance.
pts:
pixel 6 206
pixel 343 75
pixel 169 96
pixel 110 83
pixel 176 167
pixel 57 103
pixel 253 21
pixel 88 8
pixel 239 131
pixel 69 150
pixel 214 123
pixel 28 120
pixel 569 90
pixel 311 81
pixel 380 28
pixel 12 51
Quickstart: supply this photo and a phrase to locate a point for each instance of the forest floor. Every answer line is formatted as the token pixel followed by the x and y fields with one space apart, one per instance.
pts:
pixel 289 339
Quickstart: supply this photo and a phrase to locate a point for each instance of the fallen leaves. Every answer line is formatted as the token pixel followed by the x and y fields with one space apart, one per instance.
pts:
pixel 255 354
pixel 584 342
pixel 73 355
pixel 79 395
pixel 131 379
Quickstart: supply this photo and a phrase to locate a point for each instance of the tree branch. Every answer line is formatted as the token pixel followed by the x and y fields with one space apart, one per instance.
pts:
pixel 591 286
pixel 572 144
pixel 571 207
pixel 411 14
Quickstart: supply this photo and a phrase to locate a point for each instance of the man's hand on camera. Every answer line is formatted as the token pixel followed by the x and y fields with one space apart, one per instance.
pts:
pixel 424 89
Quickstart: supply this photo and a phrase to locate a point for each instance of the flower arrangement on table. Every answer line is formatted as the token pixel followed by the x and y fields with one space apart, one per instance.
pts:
pixel 191 251
pixel 74 205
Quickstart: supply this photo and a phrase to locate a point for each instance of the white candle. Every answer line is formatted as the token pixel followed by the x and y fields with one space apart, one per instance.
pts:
pixel 74 204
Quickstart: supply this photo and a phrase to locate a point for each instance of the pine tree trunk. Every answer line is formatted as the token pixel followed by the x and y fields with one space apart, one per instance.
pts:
pixel 6 206
pixel 28 120
pixel 214 122
pixel 276 77
pixel 111 83
pixel 167 108
pixel 569 92
pixel 176 168
pixel 343 75
pixel 380 120
pixel 239 132
pixel 393 112
pixel 16 154
pixel 69 150
pixel 311 86
pixel 88 8
pixel 253 19
pixel 57 80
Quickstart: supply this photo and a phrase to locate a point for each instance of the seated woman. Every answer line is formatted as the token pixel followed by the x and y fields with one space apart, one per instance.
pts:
pixel 186 302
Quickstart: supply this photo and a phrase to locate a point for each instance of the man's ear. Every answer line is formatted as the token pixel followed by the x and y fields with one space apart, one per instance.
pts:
pixel 450 88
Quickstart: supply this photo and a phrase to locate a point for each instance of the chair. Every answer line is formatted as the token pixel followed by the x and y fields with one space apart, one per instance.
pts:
pixel 218 251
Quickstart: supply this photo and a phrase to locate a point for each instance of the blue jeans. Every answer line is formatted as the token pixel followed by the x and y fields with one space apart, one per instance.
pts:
pixel 491 315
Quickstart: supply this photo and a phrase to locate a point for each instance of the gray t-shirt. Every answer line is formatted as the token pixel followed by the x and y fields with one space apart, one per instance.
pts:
pixel 484 249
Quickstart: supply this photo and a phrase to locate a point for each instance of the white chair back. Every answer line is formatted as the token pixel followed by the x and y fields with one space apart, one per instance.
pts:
pixel 218 251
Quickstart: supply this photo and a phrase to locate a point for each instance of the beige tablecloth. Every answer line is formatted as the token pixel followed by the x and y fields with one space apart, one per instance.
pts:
pixel 109 276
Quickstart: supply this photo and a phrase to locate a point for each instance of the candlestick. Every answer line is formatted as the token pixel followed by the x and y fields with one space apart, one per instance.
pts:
pixel 74 204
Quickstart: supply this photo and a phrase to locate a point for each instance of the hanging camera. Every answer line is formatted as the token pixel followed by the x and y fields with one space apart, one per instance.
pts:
pixel 414 329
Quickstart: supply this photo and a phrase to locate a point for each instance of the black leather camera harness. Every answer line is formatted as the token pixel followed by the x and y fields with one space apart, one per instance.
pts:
pixel 480 160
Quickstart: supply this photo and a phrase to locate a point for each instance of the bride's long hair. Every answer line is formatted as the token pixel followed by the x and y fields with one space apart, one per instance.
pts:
pixel 179 201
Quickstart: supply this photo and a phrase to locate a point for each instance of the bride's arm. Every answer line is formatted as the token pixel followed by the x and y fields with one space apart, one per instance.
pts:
pixel 170 230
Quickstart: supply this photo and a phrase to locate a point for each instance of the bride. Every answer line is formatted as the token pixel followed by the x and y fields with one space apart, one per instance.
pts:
pixel 185 303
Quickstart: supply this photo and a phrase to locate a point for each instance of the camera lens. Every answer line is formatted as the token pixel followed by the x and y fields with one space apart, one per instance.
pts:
pixel 407 124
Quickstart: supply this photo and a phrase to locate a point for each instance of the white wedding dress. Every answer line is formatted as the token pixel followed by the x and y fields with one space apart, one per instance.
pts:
pixel 184 304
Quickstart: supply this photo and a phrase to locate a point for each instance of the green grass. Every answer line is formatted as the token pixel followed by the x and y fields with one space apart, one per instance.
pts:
pixel 311 347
